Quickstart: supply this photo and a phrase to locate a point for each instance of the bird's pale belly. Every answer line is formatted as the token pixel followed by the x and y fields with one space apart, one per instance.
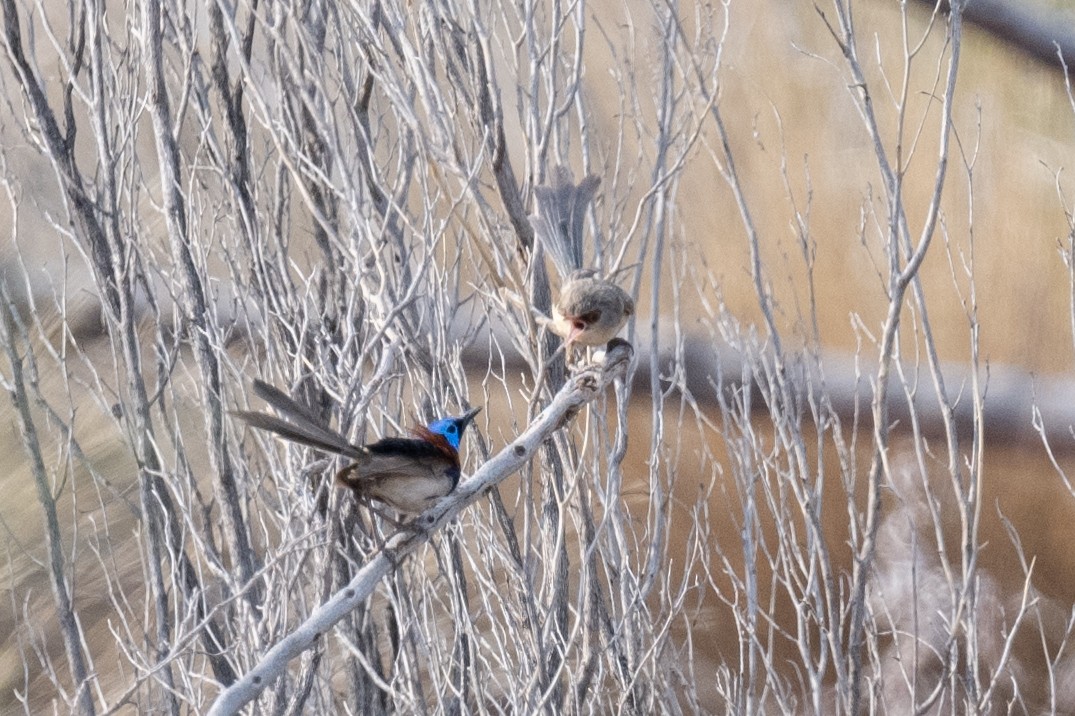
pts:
pixel 411 493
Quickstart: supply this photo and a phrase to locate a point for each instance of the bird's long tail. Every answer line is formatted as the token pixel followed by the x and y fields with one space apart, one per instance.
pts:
pixel 560 211
pixel 301 426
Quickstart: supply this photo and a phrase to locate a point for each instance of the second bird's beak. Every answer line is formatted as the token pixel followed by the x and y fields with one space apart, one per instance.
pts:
pixel 466 418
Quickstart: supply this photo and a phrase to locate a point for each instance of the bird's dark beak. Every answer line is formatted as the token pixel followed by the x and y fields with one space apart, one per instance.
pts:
pixel 464 420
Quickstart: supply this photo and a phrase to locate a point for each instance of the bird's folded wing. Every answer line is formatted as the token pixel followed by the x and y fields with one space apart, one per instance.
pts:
pixel 397 457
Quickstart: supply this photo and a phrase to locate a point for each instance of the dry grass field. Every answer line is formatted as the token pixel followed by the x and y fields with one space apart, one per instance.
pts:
pixel 712 563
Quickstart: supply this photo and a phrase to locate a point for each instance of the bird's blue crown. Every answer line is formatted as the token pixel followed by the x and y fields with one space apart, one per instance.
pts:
pixel 451 429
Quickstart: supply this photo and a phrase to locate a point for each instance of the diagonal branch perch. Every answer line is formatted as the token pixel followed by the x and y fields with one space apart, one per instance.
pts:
pixel 581 389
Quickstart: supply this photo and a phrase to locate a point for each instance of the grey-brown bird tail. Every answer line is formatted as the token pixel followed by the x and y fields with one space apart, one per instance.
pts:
pixel 301 426
pixel 560 212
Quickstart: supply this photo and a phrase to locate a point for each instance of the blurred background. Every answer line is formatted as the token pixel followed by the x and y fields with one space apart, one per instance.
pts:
pixel 340 200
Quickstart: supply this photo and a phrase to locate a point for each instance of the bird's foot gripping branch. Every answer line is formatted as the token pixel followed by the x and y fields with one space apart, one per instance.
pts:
pixel 582 388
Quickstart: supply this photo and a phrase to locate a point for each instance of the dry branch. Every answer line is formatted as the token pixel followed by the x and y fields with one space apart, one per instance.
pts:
pixel 577 392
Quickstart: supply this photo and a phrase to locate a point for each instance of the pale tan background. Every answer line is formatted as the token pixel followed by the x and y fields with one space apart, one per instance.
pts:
pixel 784 97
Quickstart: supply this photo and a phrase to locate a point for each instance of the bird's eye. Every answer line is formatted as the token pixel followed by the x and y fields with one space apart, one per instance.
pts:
pixel 451 428
pixel 590 317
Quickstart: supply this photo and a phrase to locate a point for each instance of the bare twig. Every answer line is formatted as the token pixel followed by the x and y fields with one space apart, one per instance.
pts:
pixel 580 390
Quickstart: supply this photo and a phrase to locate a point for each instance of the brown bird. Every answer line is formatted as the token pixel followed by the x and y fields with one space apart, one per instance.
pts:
pixel 409 474
pixel 589 309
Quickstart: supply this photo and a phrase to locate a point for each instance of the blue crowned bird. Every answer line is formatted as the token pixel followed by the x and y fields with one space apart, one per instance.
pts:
pixel 409 474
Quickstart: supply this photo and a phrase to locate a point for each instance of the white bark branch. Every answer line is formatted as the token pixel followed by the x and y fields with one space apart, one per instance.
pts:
pixel 577 392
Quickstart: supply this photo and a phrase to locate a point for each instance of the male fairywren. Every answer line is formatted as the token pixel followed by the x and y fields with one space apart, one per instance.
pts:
pixel 409 474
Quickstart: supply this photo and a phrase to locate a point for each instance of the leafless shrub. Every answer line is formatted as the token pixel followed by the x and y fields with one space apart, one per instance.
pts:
pixel 336 198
